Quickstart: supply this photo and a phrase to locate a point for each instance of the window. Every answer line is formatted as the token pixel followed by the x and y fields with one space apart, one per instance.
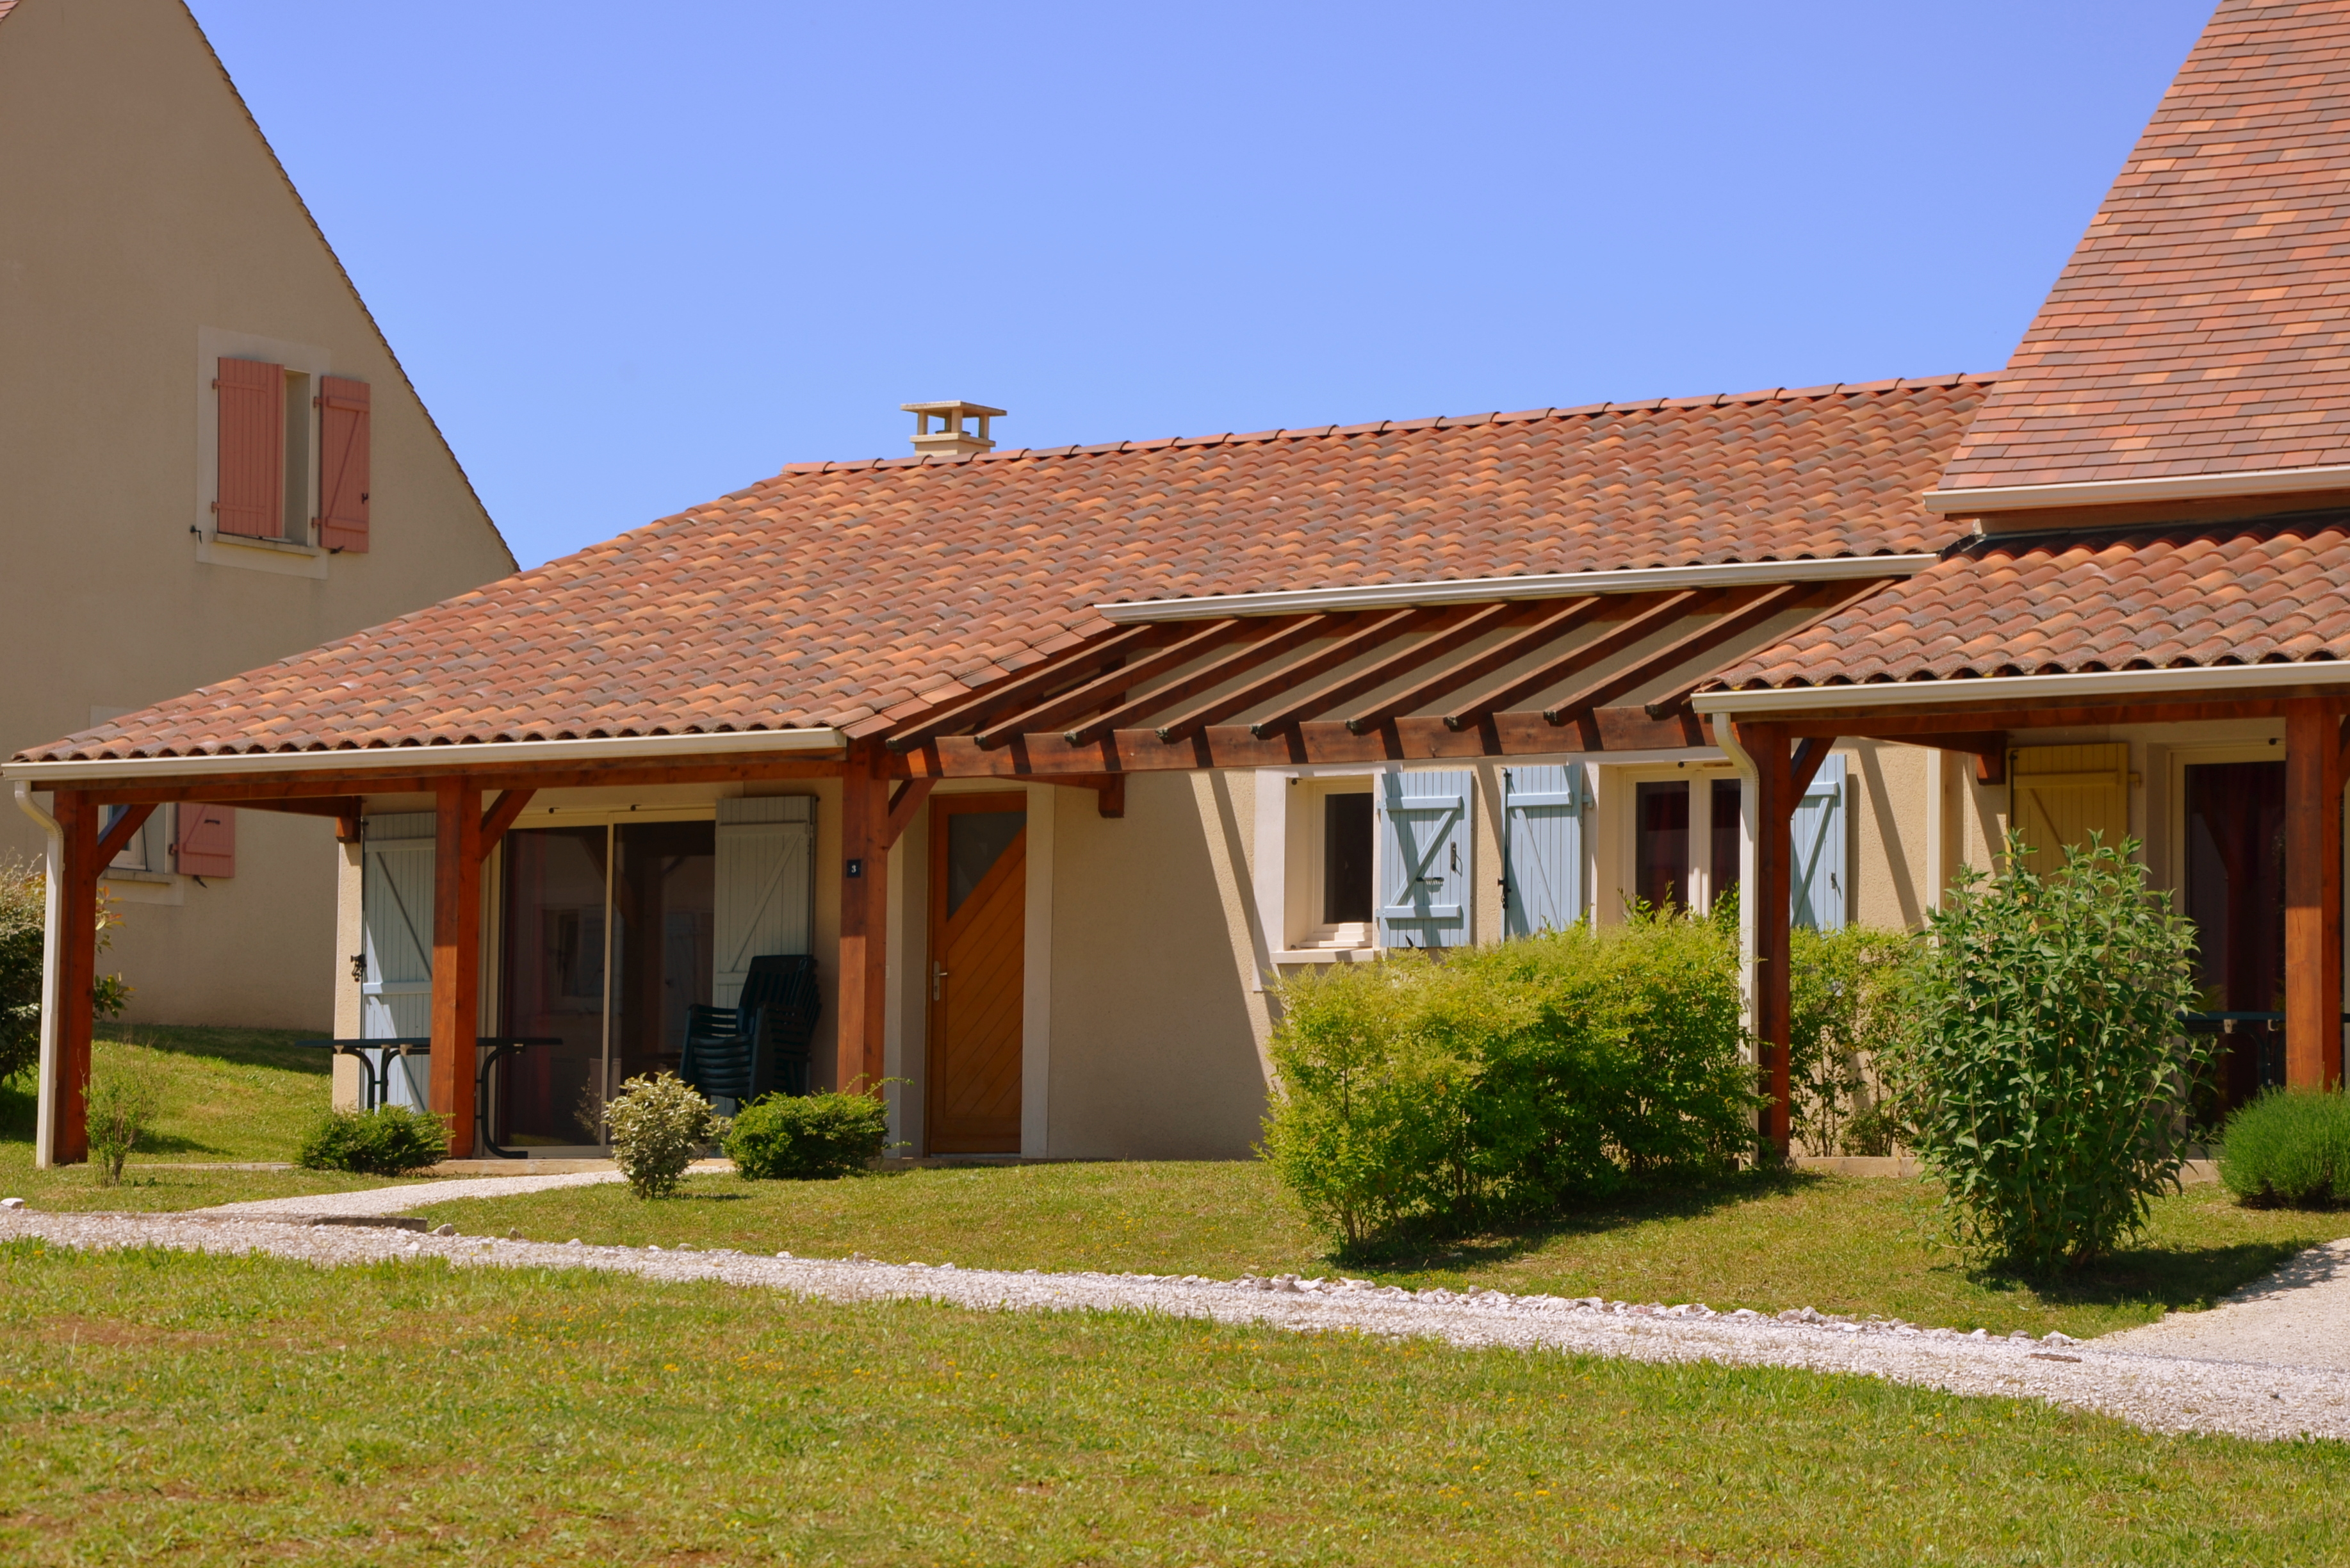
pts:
pixel 1346 858
pixel 291 454
pixel 1660 848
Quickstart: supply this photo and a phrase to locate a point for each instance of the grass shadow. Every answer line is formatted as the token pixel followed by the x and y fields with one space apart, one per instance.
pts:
pixel 242 1047
pixel 1507 1243
pixel 2175 1278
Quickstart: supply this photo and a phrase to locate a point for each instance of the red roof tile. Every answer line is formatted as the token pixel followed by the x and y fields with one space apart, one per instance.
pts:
pixel 2142 601
pixel 2203 324
pixel 834 593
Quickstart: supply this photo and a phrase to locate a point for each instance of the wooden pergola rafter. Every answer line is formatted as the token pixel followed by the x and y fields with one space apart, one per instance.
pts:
pixel 1590 672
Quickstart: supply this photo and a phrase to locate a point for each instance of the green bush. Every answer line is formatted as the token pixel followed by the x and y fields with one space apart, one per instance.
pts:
pixel 24 896
pixel 806 1137
pixel 391 1140
pixel 2040 1060
pixel 657 1124
pixel 1501 1082
pixel 2289 1146
pixel 1844 985
pixel 122 1107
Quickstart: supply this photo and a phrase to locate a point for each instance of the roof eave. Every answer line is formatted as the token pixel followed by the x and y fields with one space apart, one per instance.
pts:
pixel 2091 685
pixel 1972 501
pixel 408 761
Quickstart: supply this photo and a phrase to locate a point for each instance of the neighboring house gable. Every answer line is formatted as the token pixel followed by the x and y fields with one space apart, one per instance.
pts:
pixel 152 235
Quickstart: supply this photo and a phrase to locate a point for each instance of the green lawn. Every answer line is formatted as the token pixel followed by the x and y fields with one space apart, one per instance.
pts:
pixel 1840 1244
pixel 227 1095
pixel 215 1410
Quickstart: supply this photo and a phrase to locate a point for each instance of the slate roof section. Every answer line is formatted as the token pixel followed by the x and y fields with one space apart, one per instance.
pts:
pixel 2136 601
pixel 2203 325
pixel 855 594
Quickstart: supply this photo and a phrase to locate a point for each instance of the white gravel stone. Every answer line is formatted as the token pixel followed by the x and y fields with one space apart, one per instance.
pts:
pixel 2166 1393
pixel 401 1199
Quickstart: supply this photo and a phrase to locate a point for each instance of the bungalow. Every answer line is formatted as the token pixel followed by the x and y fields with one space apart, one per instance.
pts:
pixel 1055 761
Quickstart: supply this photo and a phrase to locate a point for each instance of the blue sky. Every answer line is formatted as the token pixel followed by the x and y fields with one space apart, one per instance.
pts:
pixel 636 256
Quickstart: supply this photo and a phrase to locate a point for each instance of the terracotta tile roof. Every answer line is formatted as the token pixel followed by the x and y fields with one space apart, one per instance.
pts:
pixel 857 594
pixel 2203 325
pixel 2054 607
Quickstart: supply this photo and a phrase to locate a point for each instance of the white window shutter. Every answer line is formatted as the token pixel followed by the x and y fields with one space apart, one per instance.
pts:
pixel 1818 872
pixel 1424 872
pixel 766 886
pixel 1542 849
pixel 396 941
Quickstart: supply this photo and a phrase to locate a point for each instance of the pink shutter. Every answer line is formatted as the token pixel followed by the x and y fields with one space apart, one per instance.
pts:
pixel 343 468
pixel 207 846
pixel 252 481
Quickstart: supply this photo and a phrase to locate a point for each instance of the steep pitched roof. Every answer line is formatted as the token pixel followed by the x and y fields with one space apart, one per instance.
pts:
pixel 837 594
pixel 2203 325
pixel 2061 606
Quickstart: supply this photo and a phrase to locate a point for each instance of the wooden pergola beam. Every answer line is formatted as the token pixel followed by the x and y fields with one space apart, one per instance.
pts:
pixel 258 791
pixel 1289 676
pixel 76 969
pixel 1839 598
pixel 501 816
pixel 864 923
pixel 133 819
pixel 904 802
pixel 1648 611
pixel 1549 628
pixel 456 957
pixel 1456 631
pixel 1106 689
pixel 1988 747
pixel 2312 893
pixel 1731 623
pixel 1055 671
pixel 1286 637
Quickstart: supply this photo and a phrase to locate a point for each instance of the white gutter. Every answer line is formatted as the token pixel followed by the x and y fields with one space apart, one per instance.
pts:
pixel 44 1096
pixel 428 759
pixel 2115 491
pixel 2089 686
pixel 1484 590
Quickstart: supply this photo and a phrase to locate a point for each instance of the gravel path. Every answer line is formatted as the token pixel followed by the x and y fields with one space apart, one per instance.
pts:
pixel 2299 1316
pixel 401 1199
pixel 2164 1393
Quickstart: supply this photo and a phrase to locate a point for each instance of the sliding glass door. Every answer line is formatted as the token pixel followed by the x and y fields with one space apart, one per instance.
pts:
pixel 606 938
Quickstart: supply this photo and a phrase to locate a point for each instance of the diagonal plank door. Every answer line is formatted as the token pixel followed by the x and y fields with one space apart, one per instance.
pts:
pixel 979 902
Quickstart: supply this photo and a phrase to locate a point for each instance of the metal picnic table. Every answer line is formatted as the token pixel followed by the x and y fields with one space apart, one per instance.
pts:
pixel 375 1075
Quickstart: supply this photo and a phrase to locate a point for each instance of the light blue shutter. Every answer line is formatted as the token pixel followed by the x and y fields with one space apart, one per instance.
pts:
pixel 1819 832
pixel 1423 858
pixel 766 886
pixel 396 941
pixel 1542 849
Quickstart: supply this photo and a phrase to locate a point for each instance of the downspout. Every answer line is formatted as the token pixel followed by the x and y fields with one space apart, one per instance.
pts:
pixel 46 1099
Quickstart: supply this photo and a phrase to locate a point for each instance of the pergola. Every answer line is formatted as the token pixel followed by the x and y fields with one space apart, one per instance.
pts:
pixel 1782 734
pixel 1595 662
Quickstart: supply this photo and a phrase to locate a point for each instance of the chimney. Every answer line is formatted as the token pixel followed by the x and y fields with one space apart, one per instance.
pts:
pixel 951 439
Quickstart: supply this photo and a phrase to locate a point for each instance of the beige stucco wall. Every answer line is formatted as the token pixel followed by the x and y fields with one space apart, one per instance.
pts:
pixel 143 208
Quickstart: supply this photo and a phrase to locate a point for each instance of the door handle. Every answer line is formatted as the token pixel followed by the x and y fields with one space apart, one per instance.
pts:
pixel 937 974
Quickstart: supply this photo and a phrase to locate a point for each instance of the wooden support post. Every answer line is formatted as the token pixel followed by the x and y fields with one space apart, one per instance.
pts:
pixel 77 961
pixel 2312 893
pixel 456 957
pixel 864 918
pixel 1777 793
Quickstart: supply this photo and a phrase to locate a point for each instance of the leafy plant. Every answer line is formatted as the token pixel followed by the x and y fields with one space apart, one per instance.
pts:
pixel 2041 1062
pixel 1506 1081
pixel 1843 986
pixel 2289 1146
pixel 391 1140
pixel 122 1107
pixel 806 1137
pixel 24 896
pixel 657 1123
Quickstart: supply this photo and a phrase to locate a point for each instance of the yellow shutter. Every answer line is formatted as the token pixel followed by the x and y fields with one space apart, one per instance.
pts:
pixel 2065 793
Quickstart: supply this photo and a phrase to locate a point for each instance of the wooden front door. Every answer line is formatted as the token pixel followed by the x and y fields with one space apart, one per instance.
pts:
pixel 979 904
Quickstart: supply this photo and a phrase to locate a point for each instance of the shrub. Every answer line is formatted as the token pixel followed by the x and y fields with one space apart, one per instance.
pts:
pixel 24 895
pixel 657 1123
pixel 1844 985
pixel 2289 1146
pixel 1504 1082
pixel 2040 1061
pixel 391 1140
pixel 806 1137
pixel 122 1106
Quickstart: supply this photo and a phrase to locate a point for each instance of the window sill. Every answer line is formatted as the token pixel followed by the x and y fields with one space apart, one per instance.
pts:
pixel 284 556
